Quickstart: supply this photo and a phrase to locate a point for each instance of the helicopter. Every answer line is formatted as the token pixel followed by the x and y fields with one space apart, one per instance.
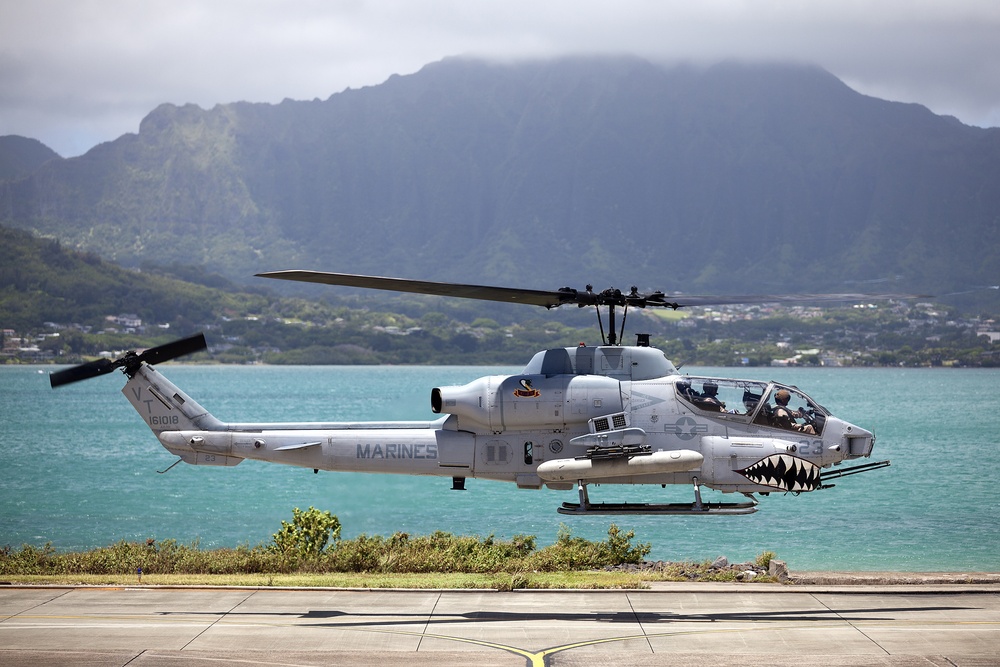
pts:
pixel 574 417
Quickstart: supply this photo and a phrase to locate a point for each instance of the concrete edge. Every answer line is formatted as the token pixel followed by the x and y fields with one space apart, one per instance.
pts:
pixel 862 586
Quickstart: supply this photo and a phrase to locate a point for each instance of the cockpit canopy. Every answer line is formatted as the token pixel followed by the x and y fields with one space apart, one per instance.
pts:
pixel 749 401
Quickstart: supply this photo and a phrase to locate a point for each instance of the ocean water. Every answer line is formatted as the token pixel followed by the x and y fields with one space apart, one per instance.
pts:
pixel 78 468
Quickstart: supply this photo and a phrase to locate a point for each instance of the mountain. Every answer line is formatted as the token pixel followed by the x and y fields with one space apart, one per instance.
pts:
pixel 20 156
pixel 730 178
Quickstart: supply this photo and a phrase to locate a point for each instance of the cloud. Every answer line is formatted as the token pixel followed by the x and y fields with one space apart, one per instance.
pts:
pixel 74 73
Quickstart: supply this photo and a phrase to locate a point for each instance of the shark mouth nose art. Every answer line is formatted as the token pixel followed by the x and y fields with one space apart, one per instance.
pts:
pixel 785 472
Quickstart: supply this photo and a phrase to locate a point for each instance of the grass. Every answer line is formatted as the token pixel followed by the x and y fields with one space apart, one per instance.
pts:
pixel 504 581
pixel 308 552
pixel 431 580
pixel 668 315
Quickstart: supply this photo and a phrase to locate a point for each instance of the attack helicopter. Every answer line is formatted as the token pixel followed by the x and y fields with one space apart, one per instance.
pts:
pixel 574 417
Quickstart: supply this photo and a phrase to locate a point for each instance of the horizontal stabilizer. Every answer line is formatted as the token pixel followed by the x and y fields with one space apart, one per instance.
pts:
pixel 300 445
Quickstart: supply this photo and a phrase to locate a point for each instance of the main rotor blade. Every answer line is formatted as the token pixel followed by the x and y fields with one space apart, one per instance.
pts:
pixel 565 295
pixel 174 349
pixel 752 299
pixel 548 299
pixel 82 372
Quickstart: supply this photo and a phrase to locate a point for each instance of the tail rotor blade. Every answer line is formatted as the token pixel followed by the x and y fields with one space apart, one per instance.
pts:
pixel 82 372
pixel 131 361
pixel 178 348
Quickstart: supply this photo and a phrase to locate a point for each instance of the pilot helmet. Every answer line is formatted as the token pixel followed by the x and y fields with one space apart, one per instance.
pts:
pixel 711 388
pixel 782 396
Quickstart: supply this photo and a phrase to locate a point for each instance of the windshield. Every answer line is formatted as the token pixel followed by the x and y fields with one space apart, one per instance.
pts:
pixel 767 404
pixel 789 409
pixel 733 397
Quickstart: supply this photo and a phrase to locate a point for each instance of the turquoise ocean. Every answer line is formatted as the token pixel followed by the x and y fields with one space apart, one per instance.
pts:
pixel 78 468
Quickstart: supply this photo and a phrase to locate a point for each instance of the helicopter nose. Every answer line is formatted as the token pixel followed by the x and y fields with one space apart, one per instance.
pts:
pixel 857 442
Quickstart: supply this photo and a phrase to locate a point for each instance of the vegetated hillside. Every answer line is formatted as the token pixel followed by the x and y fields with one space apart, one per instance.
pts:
pixel 45 288
pixel 20 156
pixel 41 281
pixel 611 171
pixel 92 305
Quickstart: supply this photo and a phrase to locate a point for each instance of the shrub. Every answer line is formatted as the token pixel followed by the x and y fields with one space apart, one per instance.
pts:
pixel 311 543
pixel 764 559
pixel 307 536
pixel 361 554
pixel 571 553
pixel 437 552
pixel 29 560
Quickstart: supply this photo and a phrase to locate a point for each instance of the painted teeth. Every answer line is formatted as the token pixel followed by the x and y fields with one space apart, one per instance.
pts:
pixel 785 472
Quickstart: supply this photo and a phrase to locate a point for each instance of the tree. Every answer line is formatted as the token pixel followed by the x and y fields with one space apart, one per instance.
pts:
pixel 307 536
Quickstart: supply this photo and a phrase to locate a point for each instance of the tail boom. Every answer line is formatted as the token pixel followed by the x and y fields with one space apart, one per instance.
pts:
pixel 189 431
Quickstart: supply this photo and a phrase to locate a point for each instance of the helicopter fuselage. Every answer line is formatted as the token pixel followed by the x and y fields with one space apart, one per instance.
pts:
pixel 573 416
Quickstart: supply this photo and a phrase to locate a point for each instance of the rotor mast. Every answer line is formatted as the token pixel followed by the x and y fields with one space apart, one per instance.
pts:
pixel 612 337
pixel 612 298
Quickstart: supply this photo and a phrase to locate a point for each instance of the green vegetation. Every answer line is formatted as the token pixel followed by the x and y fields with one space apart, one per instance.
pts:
pixel 20 156
pixel 593 579
pixel 307 536
pixel 895 334
pixel 42 281
pixel 69 306
pixel 764 559
pixel 310 545
pixel 66 307
pixel 309 551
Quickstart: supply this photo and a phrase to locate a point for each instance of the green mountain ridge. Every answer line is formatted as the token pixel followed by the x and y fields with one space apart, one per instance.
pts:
pixel 42 281
pixel 609 171
pixel 64 306
pixel 75 303
pixel 20 156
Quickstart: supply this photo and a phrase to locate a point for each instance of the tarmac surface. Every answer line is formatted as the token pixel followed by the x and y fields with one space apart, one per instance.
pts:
pixel 698 624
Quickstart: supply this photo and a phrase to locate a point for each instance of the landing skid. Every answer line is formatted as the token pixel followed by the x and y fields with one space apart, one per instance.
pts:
pixel 697 507
pixel 651 508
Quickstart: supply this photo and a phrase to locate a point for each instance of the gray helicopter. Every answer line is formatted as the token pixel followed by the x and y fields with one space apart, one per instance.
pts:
pixel 573 417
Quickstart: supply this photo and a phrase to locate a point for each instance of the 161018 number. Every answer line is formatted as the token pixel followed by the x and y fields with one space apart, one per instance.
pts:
pixel 165 420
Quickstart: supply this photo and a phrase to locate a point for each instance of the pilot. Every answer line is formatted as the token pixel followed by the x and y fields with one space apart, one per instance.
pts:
pixel 685 390
pixel 709 399
pixel 785 418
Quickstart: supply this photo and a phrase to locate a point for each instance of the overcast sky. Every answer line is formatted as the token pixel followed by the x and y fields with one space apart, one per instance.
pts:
pixel 74 73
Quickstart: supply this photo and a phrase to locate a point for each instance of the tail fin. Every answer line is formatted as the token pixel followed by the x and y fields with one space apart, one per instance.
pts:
pixel 164 406
pixel 182 426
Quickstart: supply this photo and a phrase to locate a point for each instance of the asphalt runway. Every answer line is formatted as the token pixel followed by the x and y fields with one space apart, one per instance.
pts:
pixel 672 624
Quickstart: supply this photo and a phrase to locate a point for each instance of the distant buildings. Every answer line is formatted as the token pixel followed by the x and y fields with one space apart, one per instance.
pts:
pixel 129 322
